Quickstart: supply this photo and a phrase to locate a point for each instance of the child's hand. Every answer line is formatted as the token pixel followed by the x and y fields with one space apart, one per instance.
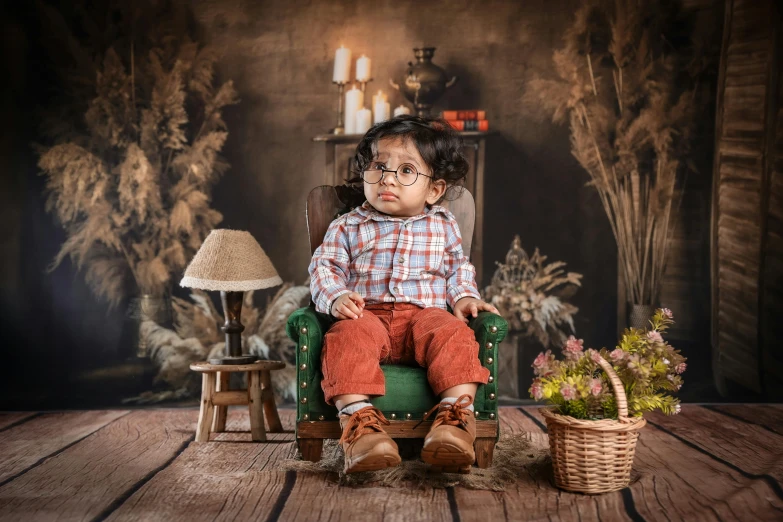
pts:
pixel 470 306
pixel 348 306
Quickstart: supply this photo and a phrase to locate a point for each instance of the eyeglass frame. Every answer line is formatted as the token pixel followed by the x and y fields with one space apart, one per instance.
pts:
pixel 384 170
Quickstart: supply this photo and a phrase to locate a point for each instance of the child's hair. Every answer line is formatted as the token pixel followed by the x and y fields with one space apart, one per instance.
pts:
pixel 437 142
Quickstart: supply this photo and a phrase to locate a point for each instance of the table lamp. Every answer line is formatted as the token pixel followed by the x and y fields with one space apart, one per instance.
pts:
pixel 231 261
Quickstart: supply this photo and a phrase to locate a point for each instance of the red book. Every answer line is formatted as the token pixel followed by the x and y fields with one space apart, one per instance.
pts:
pixel 470 125
pixel 464 115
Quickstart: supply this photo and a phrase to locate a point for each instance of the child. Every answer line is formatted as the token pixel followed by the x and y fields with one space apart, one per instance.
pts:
pixel 387 270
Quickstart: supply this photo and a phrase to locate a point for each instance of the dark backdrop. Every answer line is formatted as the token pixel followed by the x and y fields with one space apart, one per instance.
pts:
pixel 280 56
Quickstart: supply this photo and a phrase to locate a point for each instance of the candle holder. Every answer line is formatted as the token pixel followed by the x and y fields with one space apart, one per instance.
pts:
pixel 340 128
pixel 364 83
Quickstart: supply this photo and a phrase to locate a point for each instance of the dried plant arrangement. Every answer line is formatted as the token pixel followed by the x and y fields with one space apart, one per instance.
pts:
pixel 531 294
pixel 130 180
pixel 629 90
pixel 197 336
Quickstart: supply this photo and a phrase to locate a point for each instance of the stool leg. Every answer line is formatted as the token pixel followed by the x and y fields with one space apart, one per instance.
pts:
pixel 254 404
pixel 205 414
pixel 219 425
pixel 268 396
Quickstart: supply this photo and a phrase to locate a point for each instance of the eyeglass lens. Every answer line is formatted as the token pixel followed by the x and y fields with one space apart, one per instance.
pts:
pixel 406 173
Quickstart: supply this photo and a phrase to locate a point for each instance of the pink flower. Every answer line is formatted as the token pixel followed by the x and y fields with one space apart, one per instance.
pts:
pixel 541 360
pixel 595 387
pixel 568 391
pixel 617 355
pixel 537 391
pixel 573 347
pixel 654 336
pixel 668 313
pixel 680 368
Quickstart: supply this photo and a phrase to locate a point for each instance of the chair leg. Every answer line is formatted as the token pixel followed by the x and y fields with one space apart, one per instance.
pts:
pixel 485 447
pixel 206 412
pixel 270 409
pixel 311 449
pixel 257 432
pixel 221 412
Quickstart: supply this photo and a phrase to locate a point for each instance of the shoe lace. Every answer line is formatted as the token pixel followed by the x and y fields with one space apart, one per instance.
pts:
pixel 452 414
pixel 366 420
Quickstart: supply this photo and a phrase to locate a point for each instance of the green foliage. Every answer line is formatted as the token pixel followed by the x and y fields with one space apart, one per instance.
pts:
pixel 648 367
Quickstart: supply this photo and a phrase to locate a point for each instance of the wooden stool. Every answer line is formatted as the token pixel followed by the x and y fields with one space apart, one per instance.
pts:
pixel 216 397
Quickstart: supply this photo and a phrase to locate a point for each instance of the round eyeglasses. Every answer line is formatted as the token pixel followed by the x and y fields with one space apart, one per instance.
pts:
pixel 406 174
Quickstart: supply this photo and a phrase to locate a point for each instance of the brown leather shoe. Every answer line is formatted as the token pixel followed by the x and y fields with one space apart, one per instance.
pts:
pixel 366 445
pixel 449 444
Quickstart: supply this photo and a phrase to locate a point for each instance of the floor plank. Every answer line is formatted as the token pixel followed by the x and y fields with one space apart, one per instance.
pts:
pixel 23 446
pixel 86 479
pixel 748 448
pixel 228 479
pixel 534 496
pixel 10 419
pixel 767 416
pixel 677 483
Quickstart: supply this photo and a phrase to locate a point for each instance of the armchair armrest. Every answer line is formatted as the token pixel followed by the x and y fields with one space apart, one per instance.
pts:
pixel 490 329
pixel 307 327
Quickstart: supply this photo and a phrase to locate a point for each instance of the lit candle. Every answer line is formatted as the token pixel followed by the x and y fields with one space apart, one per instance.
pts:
pixel 381 109
pixel 342 65
pixel 354 100
pixel 363 69
pixel 377 97
pixel 363 120
pixel 401 109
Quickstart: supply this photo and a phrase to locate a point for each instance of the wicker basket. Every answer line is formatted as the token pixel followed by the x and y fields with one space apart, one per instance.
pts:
pixel 594 456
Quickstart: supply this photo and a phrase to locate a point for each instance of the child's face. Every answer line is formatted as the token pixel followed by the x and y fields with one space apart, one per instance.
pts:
pixel 389 196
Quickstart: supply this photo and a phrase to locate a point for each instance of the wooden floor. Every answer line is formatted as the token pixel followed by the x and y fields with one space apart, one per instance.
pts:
pixel 712 462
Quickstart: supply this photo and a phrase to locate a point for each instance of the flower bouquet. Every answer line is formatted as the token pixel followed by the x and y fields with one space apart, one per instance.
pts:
pixel 597 401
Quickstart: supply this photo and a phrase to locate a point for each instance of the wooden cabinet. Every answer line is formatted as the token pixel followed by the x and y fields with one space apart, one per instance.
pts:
pixel 338 163
pixel 747 204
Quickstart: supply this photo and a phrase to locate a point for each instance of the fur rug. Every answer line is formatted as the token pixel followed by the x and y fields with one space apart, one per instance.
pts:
pixel 516 458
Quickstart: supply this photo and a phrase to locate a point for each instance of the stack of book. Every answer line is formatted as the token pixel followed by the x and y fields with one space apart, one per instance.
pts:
pixel 467 120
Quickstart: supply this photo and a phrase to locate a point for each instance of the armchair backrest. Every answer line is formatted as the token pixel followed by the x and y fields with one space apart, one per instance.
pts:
pixel 323 205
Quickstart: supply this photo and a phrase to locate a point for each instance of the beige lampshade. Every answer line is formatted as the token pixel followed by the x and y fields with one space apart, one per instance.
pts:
pixel 230 260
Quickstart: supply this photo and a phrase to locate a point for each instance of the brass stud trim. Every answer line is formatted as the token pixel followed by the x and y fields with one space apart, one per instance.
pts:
pixel 320 417
pixel 491 415
pixel 304 330
pixel 489 346
pixel 475 414
pixel 304 384
pixel 305 417
pixel 303 366
pixel 491 379
pixel 490 360
pixel 492 396
pixel 303 400
pixel 494 329
pixel 304 347
pixel 407 415
pixel 393 415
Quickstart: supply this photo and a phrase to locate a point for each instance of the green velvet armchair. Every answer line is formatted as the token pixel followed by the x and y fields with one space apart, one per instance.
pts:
pixel 408 394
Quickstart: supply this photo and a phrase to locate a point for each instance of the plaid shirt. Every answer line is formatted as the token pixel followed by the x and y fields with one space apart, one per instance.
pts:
pixel 388 259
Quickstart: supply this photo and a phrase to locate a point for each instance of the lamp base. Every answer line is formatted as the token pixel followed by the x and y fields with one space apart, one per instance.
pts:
pixel 233 359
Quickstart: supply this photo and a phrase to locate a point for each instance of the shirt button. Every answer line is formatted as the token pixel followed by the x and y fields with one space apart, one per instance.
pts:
pixel 407 225
pixel 401 260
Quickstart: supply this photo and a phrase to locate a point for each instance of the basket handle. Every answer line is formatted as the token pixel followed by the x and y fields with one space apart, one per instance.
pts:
pixel 617 386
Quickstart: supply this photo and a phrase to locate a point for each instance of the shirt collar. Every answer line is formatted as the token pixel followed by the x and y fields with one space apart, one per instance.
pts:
pixel 366 212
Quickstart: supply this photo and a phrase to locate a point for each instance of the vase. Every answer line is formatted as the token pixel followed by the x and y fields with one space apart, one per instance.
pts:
pixel 640 315
pixel 424 82
pixel 148 307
